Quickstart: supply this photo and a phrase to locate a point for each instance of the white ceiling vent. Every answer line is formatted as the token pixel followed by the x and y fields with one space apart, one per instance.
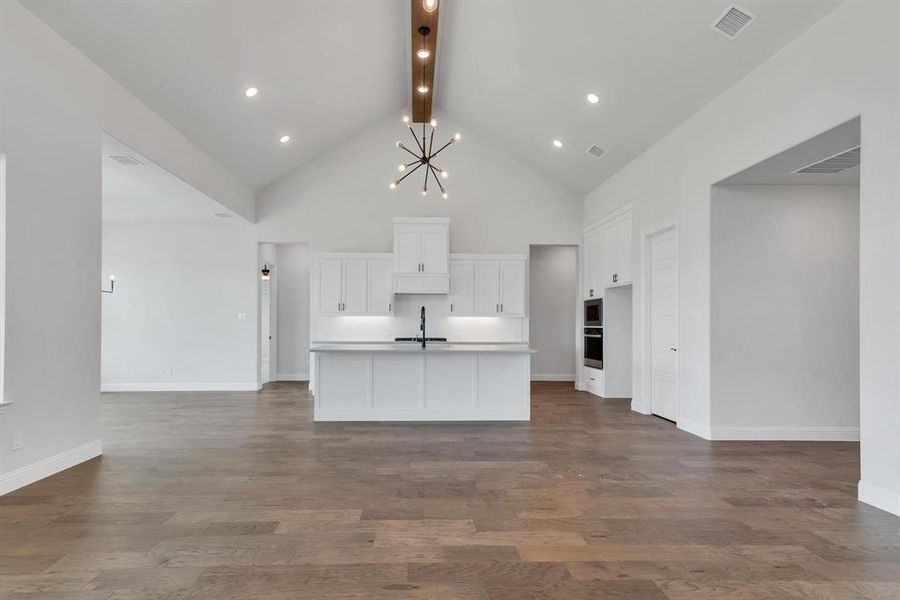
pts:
pixel 834 163
pixel 125 160
pixel 733 21
pixel 222 215
pixel 596 151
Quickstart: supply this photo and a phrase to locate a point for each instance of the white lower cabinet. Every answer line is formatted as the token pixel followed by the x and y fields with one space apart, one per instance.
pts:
pixel 485 285
pixel 422 386
pixel 353 284
pixel 594 381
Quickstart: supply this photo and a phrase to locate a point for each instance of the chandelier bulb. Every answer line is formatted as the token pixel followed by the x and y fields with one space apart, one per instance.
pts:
pixel 457 137
pixel 399 144
pixel 444 174
pixel 401 168
pixel 424 191
pixel 406 118
pixel 446 195
pixel 433 123
pixel 393 184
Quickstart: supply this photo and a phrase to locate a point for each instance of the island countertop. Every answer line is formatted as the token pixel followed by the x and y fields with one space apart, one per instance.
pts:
pixel 414 348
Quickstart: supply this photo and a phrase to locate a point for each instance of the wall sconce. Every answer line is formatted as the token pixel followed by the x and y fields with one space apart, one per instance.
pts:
pixel 264 274
pixel 112 285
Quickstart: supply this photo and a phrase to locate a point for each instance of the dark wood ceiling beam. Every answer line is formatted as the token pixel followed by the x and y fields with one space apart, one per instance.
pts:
pixel 423 70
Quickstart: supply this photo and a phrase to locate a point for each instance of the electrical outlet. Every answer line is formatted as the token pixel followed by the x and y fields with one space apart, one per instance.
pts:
pixel 18 440
pixel 242 316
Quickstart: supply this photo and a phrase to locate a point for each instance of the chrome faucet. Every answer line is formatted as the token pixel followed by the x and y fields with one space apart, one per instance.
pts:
pixel 422 327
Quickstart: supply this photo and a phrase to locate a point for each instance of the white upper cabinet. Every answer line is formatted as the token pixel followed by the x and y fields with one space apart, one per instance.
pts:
pixel 353 284
pixel 330 286
pixel 607 254
pixel 354 279
pixel 593 265
pixel 421 253
pixel 380 288
pixel 487 285
pixel 512 288
pixel 462 287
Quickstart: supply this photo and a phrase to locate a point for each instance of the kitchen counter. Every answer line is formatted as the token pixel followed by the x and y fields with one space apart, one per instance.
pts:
pixel 414 348
pixel 401 381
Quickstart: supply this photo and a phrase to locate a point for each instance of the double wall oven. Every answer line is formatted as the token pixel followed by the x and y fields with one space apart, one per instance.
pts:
pixel 593 333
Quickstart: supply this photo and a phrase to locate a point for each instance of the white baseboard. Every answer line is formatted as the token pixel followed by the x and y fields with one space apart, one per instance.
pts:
pixel 786 434
pixel 292 377
pixel 695 428
pixel 552 377
pixel 879 497
pixel 179 387
pixel 49 466
pixel 639 407
pixel 579 385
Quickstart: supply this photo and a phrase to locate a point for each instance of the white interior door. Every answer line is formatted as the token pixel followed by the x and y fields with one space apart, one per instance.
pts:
pixel 354 284
pixel 664 325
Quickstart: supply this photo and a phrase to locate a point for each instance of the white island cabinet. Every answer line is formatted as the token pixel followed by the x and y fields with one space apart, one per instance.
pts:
pixel 404 382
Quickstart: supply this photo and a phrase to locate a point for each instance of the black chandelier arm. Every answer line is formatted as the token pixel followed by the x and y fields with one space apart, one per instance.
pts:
pixel 436 178
pixel 427 171
pixel 410 173
pixel 402 147
pixel 441 148
pixel 418 145
pixel 431 142
pixel 418 161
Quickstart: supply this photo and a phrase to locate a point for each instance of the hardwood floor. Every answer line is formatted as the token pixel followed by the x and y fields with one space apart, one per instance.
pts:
pixel 240 495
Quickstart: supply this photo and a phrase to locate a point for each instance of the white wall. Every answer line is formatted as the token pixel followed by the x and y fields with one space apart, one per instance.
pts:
pixel 552 316
pixel 55 104
pixel 173 322
pixel 785 311
pixel 618 305
pixel 341 200
pixel 843 67
pixel 294 262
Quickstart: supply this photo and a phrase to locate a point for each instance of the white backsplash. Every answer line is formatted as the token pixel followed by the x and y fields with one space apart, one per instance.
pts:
pixel 405 323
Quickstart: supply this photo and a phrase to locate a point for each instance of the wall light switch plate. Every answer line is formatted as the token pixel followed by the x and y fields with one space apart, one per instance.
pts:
pixel 242 316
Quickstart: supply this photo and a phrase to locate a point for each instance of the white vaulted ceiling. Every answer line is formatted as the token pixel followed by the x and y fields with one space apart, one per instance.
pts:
pixel 517 72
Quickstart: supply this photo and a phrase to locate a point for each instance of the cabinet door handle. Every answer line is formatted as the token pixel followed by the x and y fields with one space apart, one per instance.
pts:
pixel 591 292
pixel 451 307
pixel 390 307
pixel 496 308
pixel 501 308
pixel 339 307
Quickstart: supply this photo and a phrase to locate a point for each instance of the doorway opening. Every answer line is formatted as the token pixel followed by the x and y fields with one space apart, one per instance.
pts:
pixel 784 294
pixel 553 311
pixel 284 311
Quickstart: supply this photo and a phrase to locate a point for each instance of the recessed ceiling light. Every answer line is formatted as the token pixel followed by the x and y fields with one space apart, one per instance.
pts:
pixel 284 139
pixel 593 98
pixel 429 5
pixel 423 53
pixel 250 92
pixel 422 89
pixel 557 144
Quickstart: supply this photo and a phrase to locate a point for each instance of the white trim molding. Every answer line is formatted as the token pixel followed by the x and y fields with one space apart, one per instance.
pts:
pixel 611 215
pixel 179 387
pixel 693 427
pixel 786 434
pixel 292 377
pixel 552 377
pixel 879 497
pixel 52 465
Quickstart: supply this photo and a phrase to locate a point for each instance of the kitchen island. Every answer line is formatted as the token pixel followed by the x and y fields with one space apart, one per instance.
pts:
pixel 406 382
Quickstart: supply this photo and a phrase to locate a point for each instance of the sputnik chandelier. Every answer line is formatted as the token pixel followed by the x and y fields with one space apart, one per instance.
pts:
pixel 424 152
pixel 424 155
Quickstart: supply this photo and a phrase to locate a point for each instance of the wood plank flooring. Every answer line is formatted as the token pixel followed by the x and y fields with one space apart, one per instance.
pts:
pixel 240 495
